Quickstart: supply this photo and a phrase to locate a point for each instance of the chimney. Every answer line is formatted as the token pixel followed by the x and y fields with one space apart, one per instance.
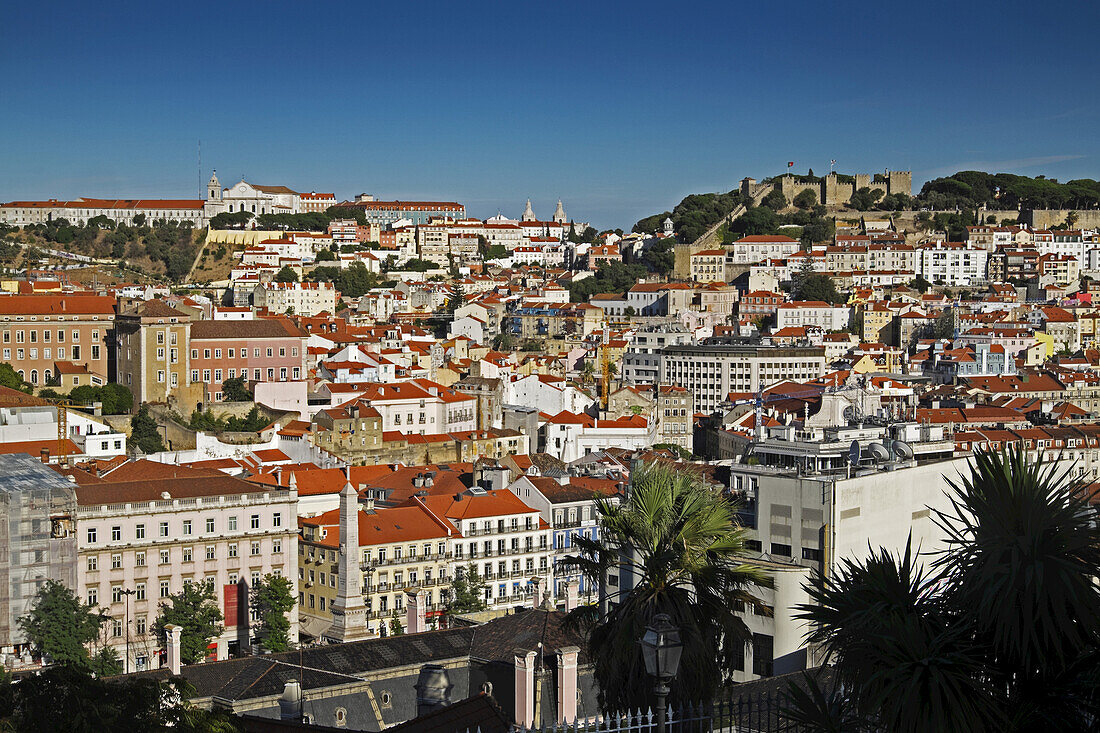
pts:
pixel 290 702
pixel 572 591
pixel 525 688
pixel 414 611
pixel 433 689
pixel 567 684
pixel 173 632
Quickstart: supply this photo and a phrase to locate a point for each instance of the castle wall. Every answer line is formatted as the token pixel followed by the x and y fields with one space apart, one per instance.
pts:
pixel 1047 218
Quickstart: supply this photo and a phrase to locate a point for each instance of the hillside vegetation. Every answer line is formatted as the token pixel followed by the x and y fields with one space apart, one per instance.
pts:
pixel 966 191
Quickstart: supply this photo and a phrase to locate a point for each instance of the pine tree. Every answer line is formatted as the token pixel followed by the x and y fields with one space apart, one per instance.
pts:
pixel 467 591
pixel 143 432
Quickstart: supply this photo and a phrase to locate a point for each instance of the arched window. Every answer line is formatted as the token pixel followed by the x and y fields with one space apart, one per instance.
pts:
pixel 46 375
pixel 34 376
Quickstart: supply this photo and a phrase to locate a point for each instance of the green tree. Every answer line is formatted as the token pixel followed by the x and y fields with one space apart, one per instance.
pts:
pixel 11 379
pixel 233 390
pixel 683 544
pixel 920 283
pixel 60 625
pixel 467 591
pixel 106 662
pixel 818 286
pixel 806 199
pixel 999 632
pixel 396 628
pixel 660 257
pixel 944 327
pixel 196 610
pixel 273 599
pixel 286 275
pixel 326 255
pixel 775 200
pixel 144 435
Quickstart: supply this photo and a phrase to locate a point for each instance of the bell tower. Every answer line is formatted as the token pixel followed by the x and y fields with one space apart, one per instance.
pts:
pixel 213 189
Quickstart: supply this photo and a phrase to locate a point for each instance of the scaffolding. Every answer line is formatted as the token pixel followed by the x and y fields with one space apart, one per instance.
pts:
pixel 37 543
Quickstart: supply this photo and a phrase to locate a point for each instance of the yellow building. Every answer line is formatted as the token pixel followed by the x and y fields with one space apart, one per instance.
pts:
pixel 399 548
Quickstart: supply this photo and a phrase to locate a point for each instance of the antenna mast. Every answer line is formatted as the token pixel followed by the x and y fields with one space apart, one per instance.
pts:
pixel 202 194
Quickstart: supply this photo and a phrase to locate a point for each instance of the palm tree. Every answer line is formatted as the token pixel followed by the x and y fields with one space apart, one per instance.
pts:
pixel 681 543
pixel 1000 631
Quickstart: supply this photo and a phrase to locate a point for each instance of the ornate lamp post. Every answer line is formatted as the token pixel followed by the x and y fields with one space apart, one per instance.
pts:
pixel 661 648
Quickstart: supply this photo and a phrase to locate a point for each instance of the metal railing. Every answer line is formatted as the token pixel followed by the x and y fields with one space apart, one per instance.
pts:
pixel 747 713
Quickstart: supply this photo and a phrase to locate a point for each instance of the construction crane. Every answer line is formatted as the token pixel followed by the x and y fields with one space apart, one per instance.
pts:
pixel 62 406
pixel 605 369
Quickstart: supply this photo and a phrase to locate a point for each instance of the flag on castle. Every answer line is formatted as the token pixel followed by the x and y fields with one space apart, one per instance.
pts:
pixel 790 165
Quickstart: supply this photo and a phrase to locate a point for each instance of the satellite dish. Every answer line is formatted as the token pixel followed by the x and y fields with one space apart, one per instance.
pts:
pixel 853 453
pixel 903 451
pixel 880 452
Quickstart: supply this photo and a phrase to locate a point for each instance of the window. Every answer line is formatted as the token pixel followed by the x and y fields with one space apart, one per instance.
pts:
pixel 139 531
pixel 116 561
pixel 276 545
pixel 116 594
pixel 254 521
pixel 187 526
pixel 277 519
pixel 188 554
pixel 164 589
pixel 209 525
pixel 139 559
pixel 165 557
pixel 91 535
pixel 116 628
pixel 139 591
pixel 255 548
pixel 232 549
pixel 140 626
pixel 93 596
pixel 211 552
pixel 164 529
pixel 93 563
pixel 116 533
pixel 232 525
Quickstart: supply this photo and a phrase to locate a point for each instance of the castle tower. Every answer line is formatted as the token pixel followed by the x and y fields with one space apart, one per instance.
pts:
pixel 666 227
pixel 559 213
pixel 528 212
pixel 213 189
pixel 349 613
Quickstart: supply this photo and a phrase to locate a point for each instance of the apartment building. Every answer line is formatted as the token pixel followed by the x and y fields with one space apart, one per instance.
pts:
pixel 709 265
pixel 302 299
pixel 812 313
pixel 420 406
pixel 151 350
pixel 675 416
pixel 710 372
pixel 504 538
pixel 952 263
pixel 38 331
pixel 400 548
pixel 145 529
pixel 761 247
pixel 37 511
pixel 569 505
pixel 259 350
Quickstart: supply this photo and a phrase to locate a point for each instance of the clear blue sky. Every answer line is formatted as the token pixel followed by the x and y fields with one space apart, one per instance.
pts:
pixel 619 109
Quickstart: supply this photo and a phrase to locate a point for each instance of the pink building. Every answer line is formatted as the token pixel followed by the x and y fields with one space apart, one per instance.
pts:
pixel 144 529
pixel 261 350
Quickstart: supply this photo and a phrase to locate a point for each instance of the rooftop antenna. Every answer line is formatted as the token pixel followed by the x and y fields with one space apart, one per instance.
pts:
pixel 202 194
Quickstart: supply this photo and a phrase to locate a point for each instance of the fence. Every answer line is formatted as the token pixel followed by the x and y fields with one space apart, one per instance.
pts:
pixel 752 713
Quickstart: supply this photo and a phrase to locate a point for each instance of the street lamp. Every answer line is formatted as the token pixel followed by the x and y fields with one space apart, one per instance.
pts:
pixel 127 592
pixel 661 648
